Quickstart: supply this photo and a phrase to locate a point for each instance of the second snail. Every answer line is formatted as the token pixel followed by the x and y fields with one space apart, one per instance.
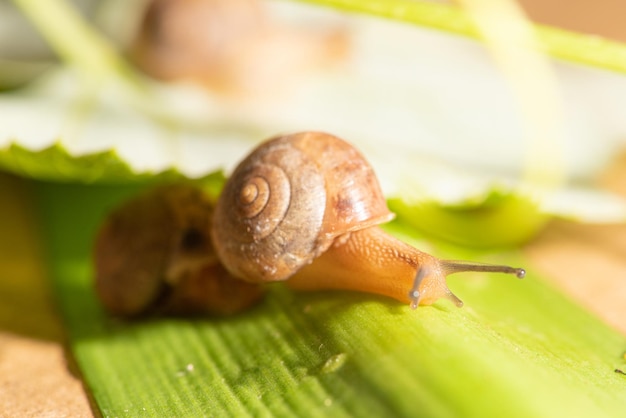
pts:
pixel 303 208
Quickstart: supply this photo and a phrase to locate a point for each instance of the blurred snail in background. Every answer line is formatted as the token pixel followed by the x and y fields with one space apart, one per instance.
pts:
pixel 154 255
pixel 304 208
pixel 231 47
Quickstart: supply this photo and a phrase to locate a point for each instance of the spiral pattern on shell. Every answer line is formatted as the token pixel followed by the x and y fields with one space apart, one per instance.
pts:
pixel 264 229
pixel 287 202
pixel 264 196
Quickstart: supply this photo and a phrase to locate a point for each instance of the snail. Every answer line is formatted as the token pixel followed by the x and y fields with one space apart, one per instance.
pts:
pixel 306 208
pixel 303 208
pixel 233 48
pixel 154 255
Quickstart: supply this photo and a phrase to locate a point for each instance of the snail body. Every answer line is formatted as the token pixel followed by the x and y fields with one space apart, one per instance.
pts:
pixel 372 261
pixel 305 208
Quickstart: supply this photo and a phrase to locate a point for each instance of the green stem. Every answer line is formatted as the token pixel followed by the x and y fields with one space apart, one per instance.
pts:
pixel 515 48
pixel 73 39
pixel 585 49
pixel 77 43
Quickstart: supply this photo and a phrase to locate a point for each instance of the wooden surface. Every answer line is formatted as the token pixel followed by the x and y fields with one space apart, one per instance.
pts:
pixel 595 17
pixel 588 262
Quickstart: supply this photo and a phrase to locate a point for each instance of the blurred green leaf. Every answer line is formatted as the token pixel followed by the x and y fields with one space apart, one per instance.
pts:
pixel 55 163
pixel 502 219
pixel 517 348
pixel 586 49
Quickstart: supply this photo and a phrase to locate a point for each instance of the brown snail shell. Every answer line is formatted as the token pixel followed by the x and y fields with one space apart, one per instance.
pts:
pixel 231 47
pixel 289 200
pixel 154 254
pixel 186 38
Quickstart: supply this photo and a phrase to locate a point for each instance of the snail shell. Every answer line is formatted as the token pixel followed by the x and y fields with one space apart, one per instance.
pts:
pixel 289 200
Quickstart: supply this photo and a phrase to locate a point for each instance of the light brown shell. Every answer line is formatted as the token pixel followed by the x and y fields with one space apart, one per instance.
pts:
pixel 289 200
pixel 195 39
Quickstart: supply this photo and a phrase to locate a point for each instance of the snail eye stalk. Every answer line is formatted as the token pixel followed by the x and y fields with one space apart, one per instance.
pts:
pixel 414 294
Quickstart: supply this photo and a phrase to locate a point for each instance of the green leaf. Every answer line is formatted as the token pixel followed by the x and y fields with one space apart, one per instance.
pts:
pixel 56 163
pixel 517 348
pixel 500 219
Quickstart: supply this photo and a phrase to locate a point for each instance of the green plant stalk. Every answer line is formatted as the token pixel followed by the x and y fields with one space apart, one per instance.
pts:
pixel 516 349
pixel 514 47
pixel 98 62
pixel 74 39
pixel 571 46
